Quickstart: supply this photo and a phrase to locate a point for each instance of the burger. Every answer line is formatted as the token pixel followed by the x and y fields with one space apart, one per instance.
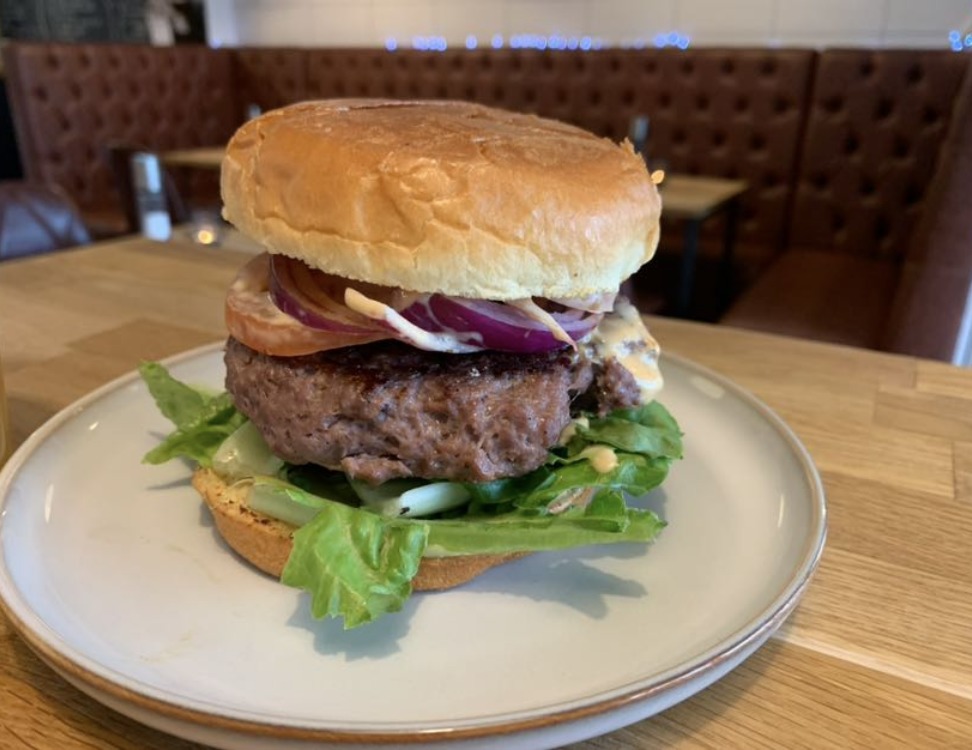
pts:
pixel 430 370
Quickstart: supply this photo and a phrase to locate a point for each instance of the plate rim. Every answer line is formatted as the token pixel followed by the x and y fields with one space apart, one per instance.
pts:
pixel 734 646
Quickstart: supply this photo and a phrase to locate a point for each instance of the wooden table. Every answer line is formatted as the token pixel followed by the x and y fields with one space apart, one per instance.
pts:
pixel 878 655
pixel 205 157
pixel 693 200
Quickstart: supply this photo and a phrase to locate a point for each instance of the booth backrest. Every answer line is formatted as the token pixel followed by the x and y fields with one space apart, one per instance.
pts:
pixel 931 315
pixel 876 123
pixel 269 77
pixel 69 101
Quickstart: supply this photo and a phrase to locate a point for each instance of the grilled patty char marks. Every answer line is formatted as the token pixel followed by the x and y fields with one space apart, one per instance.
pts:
pixel 386 410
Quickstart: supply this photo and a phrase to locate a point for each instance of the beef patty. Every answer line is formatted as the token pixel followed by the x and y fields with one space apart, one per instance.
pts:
pixel 386 410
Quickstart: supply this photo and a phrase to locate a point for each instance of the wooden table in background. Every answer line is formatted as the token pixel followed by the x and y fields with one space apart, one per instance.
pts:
pixel 694 200
pixel 878 655
pixel 205 157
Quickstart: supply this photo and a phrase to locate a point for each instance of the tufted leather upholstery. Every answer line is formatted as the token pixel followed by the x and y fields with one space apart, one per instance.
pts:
pixel 883 234
pixel 269 77
pixel 876 123
pixel 37 218
pixel 69 100
pixel 817 294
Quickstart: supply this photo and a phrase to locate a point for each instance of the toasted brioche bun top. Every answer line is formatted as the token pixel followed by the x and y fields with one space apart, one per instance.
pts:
pixel 442 196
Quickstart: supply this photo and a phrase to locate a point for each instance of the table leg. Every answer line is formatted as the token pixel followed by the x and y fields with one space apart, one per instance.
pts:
pixel 728 244
pixel 690 253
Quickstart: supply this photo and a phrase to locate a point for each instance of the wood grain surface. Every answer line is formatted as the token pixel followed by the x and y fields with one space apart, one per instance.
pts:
pixel 878 655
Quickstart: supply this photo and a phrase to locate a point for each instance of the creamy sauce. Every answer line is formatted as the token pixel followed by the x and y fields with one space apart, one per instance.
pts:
pixel 602 458
pixel 623 336
pixel 435 342
pixel 571 429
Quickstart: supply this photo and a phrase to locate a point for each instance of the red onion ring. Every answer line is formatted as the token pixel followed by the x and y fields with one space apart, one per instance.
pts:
pixel 495 325
pixel 316 300
pixel 293 290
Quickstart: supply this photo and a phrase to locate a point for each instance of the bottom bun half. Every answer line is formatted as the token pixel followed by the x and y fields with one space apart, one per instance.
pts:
pixel 266 542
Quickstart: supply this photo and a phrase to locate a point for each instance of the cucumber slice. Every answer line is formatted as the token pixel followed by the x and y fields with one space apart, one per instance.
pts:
pixel 282 501
pixel 245 454
pixel 410 497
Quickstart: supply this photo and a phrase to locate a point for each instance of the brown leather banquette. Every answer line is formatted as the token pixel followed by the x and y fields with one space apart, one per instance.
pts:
pixel 880 130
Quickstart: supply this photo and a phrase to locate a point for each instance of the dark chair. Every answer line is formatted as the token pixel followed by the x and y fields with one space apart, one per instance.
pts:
pixel 120 159
pixel 37 218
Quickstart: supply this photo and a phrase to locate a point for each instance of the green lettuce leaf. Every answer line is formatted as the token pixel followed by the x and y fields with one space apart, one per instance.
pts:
pixel 202 420
pixel 355 564
pixel 635 474
pixel 358 565
pixel 649 430
pixel 606 520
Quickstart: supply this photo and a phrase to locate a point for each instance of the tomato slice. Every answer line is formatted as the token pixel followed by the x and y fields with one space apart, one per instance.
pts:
pixel 252 318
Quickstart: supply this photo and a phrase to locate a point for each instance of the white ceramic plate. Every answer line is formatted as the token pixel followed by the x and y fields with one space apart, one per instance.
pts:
pixel 112 572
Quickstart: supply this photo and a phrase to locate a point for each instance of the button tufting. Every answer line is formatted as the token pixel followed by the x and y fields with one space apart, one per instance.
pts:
pixel 901 148
pixel 882 228
pixel 833 104
pixel 913 195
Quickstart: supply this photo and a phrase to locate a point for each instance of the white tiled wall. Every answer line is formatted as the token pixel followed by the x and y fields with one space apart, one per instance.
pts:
pixel 723 23
pixel 914 23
